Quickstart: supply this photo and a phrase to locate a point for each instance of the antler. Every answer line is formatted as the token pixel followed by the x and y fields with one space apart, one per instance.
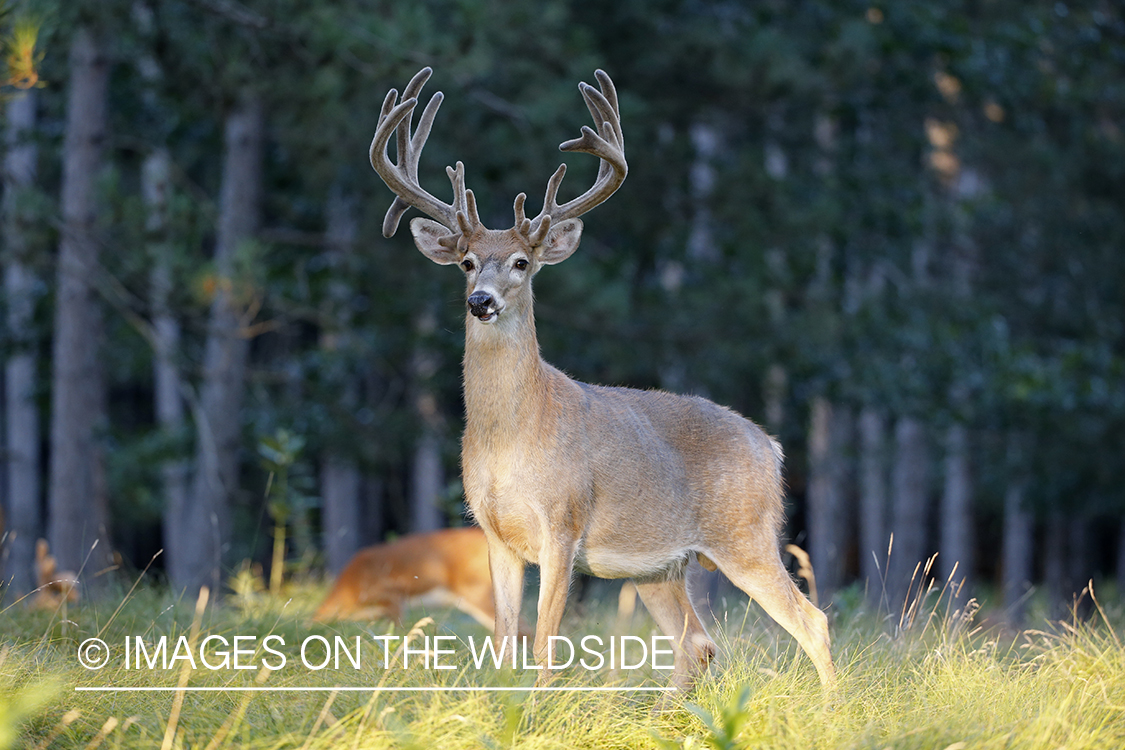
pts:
pixel 402 178
pixel 608 144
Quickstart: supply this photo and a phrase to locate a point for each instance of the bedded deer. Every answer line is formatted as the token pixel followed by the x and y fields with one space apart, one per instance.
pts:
pixel 616 482
pixel 446 568
pixel 55 586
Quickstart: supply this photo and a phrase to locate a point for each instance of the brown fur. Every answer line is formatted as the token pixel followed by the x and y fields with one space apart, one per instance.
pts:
pixel 448 566
pixel 54 587
pixel 615 482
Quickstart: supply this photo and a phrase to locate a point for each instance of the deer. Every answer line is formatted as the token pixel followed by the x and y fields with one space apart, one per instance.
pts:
pixel 447 568
pixel 614 482
pixel 55 586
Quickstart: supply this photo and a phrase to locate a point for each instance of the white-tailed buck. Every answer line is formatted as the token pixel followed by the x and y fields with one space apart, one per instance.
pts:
pixel 445 568
pixel 616 482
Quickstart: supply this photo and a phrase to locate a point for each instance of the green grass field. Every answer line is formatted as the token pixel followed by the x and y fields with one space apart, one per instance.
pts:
pixel 938 682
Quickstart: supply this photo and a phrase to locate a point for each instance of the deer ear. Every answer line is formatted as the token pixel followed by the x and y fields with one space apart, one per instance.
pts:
pixel 562 240
pixel 428 236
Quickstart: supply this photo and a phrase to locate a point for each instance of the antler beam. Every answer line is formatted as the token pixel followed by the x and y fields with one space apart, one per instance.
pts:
pixel 402 178
pixel 608 144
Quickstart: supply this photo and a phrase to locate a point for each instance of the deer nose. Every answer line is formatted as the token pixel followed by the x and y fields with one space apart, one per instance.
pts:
pixel 479 302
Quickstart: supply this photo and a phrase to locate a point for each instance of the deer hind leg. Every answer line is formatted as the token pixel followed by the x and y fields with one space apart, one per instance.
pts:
pixel 669 604
pixel 768 583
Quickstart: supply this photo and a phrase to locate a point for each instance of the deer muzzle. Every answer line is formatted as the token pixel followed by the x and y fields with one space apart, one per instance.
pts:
pixel 482 306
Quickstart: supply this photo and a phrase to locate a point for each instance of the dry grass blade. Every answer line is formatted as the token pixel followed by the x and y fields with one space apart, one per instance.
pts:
pixel 99 738
pixel 185 671
pixel 231 723
pixel 67 719
pixel 324 713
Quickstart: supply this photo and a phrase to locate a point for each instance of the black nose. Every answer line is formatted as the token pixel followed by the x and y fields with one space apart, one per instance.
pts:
pixel 479 302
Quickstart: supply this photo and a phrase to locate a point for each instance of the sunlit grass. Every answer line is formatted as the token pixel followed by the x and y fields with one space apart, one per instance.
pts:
pixel 935 681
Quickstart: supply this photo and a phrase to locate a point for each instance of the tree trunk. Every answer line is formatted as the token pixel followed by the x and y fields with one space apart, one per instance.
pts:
pixel 910 507
pixel 1080 567
pixel 426 472
pixel 23 522
pixel 829 435
pixel 203 525
pixel 77 502
pixel 373 492
pixel 168 385
pixel 168 396
pixel 1067 566
pixel 957 536
pixel 873 531
pixel 701 246
pixel 340 487
pixel 1055 565
pixel 373 485
pixel 1018 539
pixel 427 479
pixel 339 476
pixel 774 388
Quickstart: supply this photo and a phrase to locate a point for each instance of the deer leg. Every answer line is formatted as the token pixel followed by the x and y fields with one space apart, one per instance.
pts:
pixel 769 584
pixel 556 565
pixel 507 588
pixel 669 604
pixel 477 602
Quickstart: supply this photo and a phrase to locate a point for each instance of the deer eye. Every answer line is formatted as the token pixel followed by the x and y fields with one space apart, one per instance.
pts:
pixel 467 265
pixel 520 265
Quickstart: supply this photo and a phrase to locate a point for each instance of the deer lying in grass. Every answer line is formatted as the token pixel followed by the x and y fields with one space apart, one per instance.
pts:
pixel 54 587
pixel 445 568
pixel 615 482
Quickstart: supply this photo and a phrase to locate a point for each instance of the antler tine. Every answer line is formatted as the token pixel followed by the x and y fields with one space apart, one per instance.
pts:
pixel 523 224
pixel 402 178
pixel 603 106
pixel 536 236
pixel 605 111
pixel 608 144
pixel 609 91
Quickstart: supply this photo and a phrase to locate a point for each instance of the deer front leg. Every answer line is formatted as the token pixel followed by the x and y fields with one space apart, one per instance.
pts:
pixel 507 589
pixel 556 564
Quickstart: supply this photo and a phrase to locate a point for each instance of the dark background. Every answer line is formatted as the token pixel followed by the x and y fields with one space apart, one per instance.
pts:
pixel 891 234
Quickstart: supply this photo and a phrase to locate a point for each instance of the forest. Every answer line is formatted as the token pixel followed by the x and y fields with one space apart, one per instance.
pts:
pixel 892 234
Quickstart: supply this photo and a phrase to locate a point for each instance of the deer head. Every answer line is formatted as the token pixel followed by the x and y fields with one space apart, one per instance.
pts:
pixel 498 264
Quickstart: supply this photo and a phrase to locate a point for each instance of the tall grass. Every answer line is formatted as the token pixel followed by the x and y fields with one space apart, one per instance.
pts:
pixel 926 677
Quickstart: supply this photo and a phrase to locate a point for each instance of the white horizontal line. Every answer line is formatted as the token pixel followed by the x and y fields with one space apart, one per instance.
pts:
pixel 353 689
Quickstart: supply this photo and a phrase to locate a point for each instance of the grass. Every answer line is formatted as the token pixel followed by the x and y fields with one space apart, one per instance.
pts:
pixel 935 681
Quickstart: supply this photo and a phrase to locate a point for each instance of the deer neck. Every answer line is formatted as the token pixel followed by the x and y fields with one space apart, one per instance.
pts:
pixel 504 378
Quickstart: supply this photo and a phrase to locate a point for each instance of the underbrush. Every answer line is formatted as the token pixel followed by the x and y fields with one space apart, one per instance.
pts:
pixel 926 677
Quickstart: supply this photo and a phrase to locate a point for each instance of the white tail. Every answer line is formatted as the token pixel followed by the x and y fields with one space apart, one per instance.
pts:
pixel 615 482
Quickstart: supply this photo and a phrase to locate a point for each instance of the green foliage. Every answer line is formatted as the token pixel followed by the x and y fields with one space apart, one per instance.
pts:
pixel 725 727
pixel 988 295
pixel 19 704
pixel 279 452
pixel 286 502
pixel 21 58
